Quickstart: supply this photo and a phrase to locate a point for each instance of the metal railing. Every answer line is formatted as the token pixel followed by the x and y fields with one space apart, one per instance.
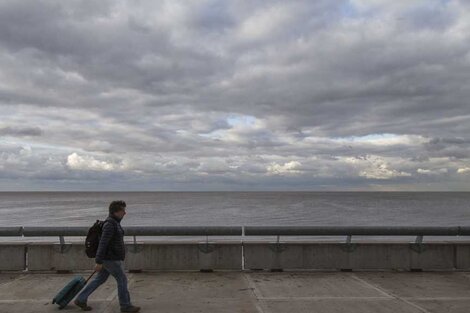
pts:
pixel 45 231
pixel 134 231
pixel 349 231
pixel 278 231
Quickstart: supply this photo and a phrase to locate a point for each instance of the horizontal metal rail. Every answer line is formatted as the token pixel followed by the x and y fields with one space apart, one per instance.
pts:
pixel 139 231
pixel 183 231
pixel 44 231
pixel 11 231
pixel 356 231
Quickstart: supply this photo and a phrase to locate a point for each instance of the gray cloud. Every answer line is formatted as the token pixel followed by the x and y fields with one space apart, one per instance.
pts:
pixel 235 95
pixel 20 131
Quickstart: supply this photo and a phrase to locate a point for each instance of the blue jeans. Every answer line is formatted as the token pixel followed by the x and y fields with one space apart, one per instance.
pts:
pixel 116 269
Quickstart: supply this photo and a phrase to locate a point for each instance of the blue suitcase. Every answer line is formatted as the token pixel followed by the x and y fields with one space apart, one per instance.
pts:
pixel 70 291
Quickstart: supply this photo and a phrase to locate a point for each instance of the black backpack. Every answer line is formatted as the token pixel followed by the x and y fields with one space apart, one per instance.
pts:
pixel 93 238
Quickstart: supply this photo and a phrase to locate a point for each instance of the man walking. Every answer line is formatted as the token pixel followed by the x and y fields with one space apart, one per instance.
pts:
pixel 110 260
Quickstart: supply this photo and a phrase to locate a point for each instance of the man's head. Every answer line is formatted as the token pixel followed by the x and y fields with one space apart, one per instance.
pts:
pixel 117 208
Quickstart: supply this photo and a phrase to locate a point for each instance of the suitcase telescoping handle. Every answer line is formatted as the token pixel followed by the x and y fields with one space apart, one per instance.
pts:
pixel 86 281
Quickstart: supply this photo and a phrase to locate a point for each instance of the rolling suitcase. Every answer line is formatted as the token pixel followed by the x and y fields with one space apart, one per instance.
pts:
pixel 70 290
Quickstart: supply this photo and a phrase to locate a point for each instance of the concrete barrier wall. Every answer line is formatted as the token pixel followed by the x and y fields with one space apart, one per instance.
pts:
pixel 184 256
pixel 373 256
pixel 50 257
pixel 462 255
pixel 148 256
pixel 12 257
pixel 42 256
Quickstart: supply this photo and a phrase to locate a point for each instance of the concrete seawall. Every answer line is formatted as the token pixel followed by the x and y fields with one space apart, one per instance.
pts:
pixel 41 256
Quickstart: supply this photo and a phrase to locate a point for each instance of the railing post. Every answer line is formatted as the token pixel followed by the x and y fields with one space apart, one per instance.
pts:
pixel 62 244
pixel 418 244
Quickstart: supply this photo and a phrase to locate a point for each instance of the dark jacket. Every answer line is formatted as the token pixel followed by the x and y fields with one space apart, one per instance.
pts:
pixel 111 246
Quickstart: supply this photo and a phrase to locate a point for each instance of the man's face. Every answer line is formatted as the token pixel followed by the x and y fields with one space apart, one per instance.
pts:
pixel 120 214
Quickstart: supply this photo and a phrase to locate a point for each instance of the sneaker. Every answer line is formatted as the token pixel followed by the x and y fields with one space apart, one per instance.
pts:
pixel 131 308
pixel 83 306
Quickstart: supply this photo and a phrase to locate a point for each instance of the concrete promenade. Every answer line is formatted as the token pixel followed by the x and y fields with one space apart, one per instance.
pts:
pixel 252 292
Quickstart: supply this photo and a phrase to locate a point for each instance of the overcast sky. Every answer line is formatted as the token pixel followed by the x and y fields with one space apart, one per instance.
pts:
pixel 235 95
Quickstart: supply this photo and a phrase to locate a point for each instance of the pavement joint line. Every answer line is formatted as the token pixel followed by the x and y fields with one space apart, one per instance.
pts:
pixel 260 304
pixel 315 298
pixel 112 297
pixel 38 300
pixel 369 285
pixel 24 300
pixel 115 292
pixel 286 299
pixel 365 282
pixel 20 277
pixel 437 298
pixel 465 274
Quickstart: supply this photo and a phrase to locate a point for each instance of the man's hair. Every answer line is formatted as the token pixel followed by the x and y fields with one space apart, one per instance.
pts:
pixel 116 206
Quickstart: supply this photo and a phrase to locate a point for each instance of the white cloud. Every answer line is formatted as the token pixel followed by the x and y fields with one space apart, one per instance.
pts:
pixel 374 167
pixel 383 139
pixel 291 167
pixel 463 170
pixel 77 162
pixel 432 171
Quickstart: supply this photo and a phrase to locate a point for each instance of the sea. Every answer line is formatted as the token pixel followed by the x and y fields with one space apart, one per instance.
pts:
pixel 238 209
